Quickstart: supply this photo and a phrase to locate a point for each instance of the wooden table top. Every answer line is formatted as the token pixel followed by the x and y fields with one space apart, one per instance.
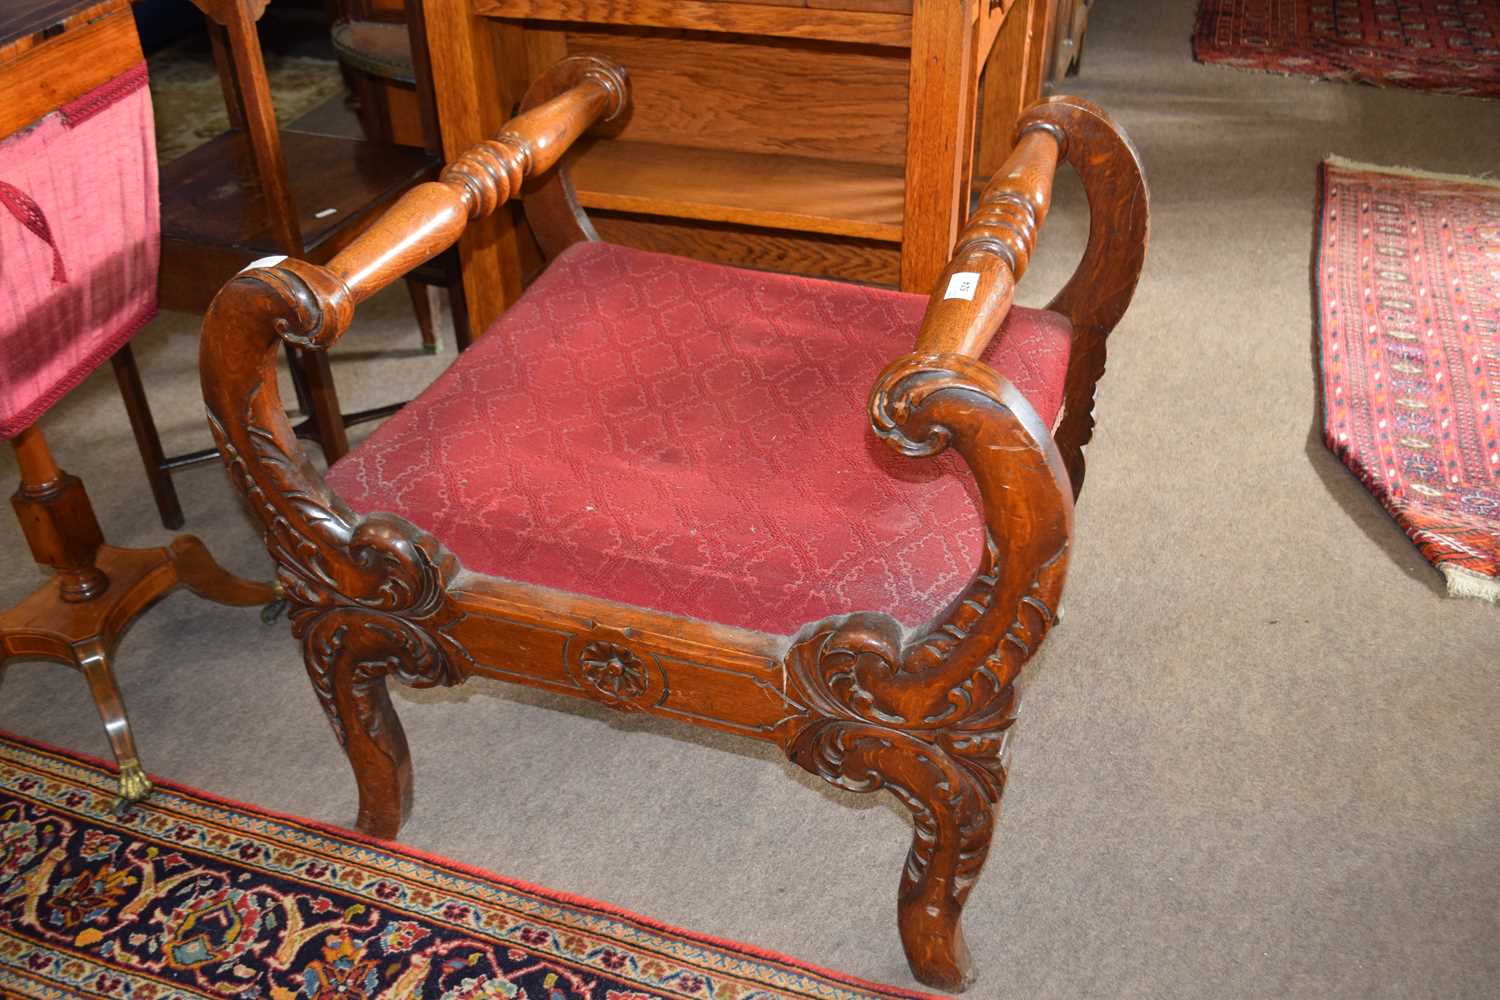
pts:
pixel 52 51
pixel 21 19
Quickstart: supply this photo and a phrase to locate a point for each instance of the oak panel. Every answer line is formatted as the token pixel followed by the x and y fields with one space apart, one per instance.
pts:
pixel 778 192
pixel 867 261
pixel 862 26
pixel 735 93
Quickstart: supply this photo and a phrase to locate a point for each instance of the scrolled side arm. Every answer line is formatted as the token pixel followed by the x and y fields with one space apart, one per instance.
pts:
pixel 976 290
pixel 925 713
pixel 356 583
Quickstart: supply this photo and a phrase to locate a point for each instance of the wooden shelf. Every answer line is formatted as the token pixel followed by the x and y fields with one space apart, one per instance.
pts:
pixel 210 197
pixel 860 22
pixel 753 189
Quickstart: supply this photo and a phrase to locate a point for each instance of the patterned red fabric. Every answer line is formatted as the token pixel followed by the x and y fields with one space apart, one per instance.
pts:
pixel 79 243
pixel 692 438
pixel 1450 46
pixel 1409 309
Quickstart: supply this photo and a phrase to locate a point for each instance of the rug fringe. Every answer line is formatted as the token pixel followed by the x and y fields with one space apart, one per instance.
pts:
pixel 1429 175
pixel 1467 583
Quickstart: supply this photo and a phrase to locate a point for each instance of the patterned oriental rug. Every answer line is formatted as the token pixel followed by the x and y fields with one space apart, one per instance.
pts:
pixel 1447 46
pixel 1408 279
pixel 188 895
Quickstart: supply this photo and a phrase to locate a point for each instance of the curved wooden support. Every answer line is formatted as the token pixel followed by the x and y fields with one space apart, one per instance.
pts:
pixel 348 653
pixel 552 209
pixel 94 659
pixel 926 716
pixel 1100 290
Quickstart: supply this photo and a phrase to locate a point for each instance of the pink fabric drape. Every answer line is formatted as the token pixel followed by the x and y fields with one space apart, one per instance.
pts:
pixel 80 242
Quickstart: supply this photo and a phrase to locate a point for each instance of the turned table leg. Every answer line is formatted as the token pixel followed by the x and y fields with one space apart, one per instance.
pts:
pixel 134 785
pixel 78 616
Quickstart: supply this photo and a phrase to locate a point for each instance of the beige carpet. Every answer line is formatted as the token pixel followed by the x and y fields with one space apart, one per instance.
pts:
pixel 1258 760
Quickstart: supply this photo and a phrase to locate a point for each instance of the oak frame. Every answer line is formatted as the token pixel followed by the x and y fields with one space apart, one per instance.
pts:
pixel 852 698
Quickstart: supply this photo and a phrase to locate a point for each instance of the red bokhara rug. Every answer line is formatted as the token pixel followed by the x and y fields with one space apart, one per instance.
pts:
pixel 188 895
pixel 1408 278
pixel 1449 46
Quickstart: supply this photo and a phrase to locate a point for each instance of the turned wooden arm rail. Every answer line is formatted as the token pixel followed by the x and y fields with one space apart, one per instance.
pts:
pixel 975 292
pixel 431 217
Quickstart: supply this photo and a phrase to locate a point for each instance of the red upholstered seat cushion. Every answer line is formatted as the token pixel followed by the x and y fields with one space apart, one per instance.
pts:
pixel 692 438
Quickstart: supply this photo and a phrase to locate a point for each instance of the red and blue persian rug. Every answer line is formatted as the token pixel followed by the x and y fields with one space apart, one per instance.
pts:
pixel 188 895
pixel 1448 46
pixel 1408 280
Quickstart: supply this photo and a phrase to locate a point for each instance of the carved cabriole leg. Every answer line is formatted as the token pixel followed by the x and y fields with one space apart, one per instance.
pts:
pixel 348 654
pixel 926 717
pixel 953 813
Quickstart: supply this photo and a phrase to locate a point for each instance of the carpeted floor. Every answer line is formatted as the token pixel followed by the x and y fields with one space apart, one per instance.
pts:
pixel 1256 760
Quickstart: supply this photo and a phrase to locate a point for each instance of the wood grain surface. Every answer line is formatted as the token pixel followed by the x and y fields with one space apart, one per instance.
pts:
pixel 774 20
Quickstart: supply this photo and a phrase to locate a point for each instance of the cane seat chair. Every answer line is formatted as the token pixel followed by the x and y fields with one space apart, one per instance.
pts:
pixel 653 483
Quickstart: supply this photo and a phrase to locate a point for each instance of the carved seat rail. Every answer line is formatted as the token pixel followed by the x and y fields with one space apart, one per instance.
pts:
pixel 853 698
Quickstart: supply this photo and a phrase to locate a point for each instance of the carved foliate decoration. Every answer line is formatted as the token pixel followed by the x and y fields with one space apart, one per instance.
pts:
pixel 367 595
pixel 926 715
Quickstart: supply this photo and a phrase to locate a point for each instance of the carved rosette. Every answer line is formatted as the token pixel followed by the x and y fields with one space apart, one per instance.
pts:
pixel 604 665
pixel 615 671
pixel 926 716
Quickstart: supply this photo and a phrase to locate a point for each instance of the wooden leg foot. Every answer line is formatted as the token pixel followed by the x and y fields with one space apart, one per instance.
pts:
pixel 347 654
pixel 134 785
pixel 953 810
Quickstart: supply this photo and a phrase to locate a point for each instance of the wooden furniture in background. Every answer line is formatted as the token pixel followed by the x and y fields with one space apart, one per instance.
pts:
pixel 825 137
pixel 259 190
pixel 1068 25
pixel 52 51
pixel 380 59
pixel 852 698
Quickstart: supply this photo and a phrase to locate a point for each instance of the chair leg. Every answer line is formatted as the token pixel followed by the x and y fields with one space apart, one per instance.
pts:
pixel 299 381
pixel 458 303
pixel 147 441
pixel 421 304
pixel 322 403
pixel 134 785
pixel 954 814
pixel 347 654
